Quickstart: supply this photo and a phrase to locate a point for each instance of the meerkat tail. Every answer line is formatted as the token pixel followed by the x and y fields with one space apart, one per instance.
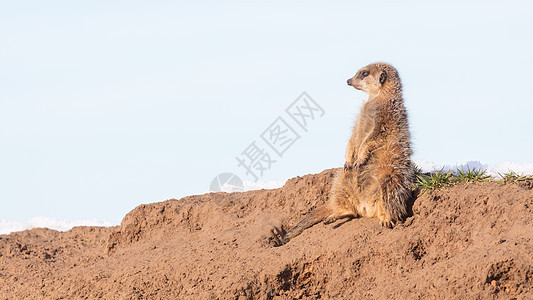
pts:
pixel 310 220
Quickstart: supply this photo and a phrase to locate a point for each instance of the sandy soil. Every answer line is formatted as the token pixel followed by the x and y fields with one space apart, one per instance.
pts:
pixel 470 241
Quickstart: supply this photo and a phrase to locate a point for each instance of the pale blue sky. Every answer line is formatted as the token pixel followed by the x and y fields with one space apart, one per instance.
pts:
pixel 107 106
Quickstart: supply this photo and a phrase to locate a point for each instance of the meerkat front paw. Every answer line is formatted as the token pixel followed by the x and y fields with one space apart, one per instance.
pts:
pixel 359 162
pixel 346 167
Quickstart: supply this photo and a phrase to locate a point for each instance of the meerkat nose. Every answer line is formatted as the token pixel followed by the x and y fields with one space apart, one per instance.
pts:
pixel 349 81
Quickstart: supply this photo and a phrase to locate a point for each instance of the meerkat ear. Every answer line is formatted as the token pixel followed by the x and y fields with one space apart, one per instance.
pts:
pixel 383 77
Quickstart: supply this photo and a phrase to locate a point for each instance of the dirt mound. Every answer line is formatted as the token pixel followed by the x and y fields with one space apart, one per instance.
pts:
pixel 465 241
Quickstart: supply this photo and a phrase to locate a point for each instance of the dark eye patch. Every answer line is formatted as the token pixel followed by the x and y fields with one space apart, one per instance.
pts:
pixel 364 74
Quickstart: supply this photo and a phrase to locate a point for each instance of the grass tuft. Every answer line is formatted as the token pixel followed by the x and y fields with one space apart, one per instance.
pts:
pixel 418 170
pixel 471 175
pixel 434 180
pixel 511 176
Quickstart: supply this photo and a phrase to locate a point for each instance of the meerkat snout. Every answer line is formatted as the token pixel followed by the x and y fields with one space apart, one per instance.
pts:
pixel 354 82
pixel 357 80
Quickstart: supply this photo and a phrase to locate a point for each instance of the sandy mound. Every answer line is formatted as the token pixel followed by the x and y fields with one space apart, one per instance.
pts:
pixel 464 242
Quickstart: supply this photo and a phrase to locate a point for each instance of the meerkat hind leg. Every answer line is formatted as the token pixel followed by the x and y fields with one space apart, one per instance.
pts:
pixel 392 207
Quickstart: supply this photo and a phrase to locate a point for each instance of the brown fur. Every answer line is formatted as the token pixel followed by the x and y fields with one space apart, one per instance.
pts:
pixel 378 172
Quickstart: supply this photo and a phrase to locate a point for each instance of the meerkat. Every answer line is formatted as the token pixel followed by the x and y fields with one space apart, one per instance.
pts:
pixel 378 172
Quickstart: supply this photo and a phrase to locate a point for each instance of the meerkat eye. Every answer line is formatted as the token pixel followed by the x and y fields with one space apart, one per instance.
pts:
pixel 364 73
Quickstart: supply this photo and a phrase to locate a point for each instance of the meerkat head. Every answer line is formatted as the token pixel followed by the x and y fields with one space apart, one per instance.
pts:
pixel 377 79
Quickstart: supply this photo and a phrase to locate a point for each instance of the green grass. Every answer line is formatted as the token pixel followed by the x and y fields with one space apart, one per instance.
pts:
pixel 511 176
pixel 471 175
pixel 439 178
pixel 418 170
pixel 433 181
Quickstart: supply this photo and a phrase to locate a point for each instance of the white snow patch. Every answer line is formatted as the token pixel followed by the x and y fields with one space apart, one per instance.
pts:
pixel 251 186
pixel 260 185
pixel 7 227
pixel 504 167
